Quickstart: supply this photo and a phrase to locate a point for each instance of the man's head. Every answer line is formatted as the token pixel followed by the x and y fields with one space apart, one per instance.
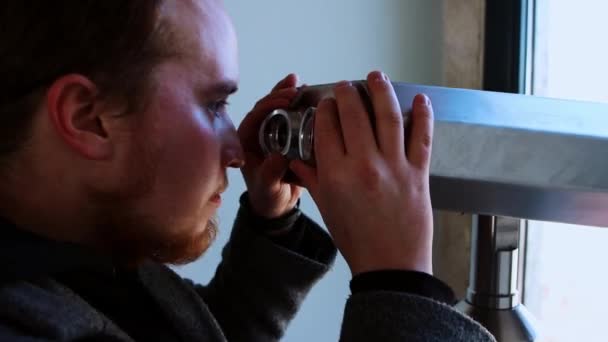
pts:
pixel 113 124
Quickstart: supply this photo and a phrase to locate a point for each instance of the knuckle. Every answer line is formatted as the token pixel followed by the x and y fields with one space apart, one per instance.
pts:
pixel 393 118
pixel 324 106
pixel 327 105
pixel 422 162
pixel 370 174
pixel 383 90
pixel 284 92
pixel 425 113
pixel 382 86
pixel 426 141
pixel 260 103
pixel 414 189
pixel 419 187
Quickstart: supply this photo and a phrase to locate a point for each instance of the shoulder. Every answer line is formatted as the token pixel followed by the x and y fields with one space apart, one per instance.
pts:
pixel 46 309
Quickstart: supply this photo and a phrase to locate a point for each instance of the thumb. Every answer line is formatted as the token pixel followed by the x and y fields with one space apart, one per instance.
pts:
pixel 307 176
pixel 273 169
pixel 289 81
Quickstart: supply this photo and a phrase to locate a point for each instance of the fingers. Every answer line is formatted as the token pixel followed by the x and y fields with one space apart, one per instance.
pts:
pixel 280 97
pixel 307 176
pixel 273 169
pixel 421 139
pixel 355 120
pixel 267 103
pixel 328 142
pixel 388 115
pixel 248 129
pixel 290 81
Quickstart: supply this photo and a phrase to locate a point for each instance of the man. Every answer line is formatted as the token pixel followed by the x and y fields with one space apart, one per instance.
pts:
pixel 114 149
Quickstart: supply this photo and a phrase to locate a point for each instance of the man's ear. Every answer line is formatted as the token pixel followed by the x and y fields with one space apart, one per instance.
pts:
pixel 75 112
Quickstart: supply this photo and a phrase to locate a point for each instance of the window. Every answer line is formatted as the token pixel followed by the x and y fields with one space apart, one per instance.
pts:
pixel 564 268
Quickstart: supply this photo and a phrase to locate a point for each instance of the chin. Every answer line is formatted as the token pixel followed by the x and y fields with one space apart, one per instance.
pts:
pixel 190 246
pixel 133 241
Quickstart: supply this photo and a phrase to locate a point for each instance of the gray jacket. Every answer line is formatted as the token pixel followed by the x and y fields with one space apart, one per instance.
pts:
pixel 256 291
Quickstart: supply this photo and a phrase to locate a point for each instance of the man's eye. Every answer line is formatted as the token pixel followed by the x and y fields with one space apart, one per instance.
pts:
pixel 219 108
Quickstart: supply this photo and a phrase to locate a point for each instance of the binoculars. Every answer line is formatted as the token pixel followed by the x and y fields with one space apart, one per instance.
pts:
pixel 290 132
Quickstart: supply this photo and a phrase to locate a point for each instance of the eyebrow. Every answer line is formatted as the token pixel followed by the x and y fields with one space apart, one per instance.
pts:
pixel 224 88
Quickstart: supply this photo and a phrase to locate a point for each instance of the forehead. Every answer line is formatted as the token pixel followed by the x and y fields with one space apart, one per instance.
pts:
pixel 204 37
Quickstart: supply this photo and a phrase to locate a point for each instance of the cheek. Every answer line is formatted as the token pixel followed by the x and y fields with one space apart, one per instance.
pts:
pixel 189 160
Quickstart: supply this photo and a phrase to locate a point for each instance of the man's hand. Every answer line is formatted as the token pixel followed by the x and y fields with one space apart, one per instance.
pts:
pixel 269 196
pixel 373 194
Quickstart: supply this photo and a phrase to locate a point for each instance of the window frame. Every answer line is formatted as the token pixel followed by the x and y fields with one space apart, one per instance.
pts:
pixel 509 43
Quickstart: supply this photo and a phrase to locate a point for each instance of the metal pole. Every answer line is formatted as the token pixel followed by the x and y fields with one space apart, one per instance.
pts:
pixel 492 298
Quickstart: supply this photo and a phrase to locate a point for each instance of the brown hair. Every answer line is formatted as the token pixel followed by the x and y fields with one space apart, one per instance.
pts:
pixel 115 43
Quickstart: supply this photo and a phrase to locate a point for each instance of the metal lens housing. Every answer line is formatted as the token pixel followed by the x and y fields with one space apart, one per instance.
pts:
pixel 275 133
pixel 306 136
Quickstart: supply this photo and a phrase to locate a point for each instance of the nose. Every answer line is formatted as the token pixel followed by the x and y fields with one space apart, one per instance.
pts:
pixel 232 151
pixel 234 158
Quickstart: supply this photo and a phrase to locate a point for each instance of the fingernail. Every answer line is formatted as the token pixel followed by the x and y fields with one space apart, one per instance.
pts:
pixel 343 84
pixel 423 100
pixel 323 102
pixel 377 76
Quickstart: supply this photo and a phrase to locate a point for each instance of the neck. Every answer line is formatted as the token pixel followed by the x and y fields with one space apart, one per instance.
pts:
pixel 48 206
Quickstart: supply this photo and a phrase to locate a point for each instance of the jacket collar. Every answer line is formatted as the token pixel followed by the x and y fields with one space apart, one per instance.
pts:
pixel 24 255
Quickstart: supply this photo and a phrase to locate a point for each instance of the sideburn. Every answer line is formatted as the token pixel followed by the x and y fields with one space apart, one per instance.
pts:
pixel 131 237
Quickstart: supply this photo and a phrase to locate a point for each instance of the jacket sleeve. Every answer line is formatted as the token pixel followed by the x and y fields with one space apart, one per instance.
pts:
pixel 259 285
pixel 7 333
pixel 261 282
pixel 396 317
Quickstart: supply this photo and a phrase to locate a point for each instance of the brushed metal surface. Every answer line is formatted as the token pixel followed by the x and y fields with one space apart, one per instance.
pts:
pixel 511 155
pixel 516 324
pixel 494 263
